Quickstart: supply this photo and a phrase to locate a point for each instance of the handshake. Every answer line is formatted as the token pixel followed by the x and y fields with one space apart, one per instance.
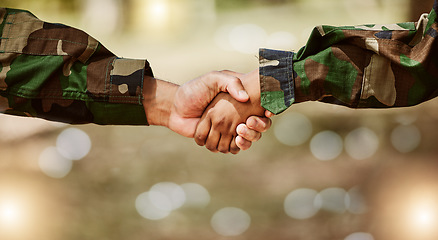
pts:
pixel 220 110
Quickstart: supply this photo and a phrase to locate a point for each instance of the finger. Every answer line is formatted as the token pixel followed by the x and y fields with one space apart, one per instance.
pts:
pixel 213 140
pixel 234 149
pixel 259 124
pixel 224 143
pixel 230 82
pixel 268 114
pixel 248 134
pixel 242 143
pixel 202 131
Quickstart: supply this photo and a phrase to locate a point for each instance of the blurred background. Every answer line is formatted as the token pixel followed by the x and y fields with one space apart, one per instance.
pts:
pixel 321 172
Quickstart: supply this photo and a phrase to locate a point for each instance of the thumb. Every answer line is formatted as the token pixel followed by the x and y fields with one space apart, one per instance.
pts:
pixel 230 82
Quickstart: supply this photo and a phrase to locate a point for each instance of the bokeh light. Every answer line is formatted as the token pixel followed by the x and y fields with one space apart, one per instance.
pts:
pixel 405 138
pixel 361 143
pixel 157 11
pixel 73 144
pixel 302 203
pixel 355 201
pixel 221 37
pixel 161 200
pixel 326 145
pixel 16 218
pixel 101 16
pixel 146 207
pixel 334 199
pixel 230 221
pixel 170 196
pixel 247 38
pixel 421 214
pixel 53 164
pixel 406 203
pixel 406 119
pixel 423 217
pixel 10 214
pixel 196 195
pixel 292 129
pixel 282 40
pixel 359 236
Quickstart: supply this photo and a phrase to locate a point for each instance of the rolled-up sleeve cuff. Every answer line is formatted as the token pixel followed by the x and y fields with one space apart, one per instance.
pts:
pixel 276 80
pixel 126 80
pixel 124 87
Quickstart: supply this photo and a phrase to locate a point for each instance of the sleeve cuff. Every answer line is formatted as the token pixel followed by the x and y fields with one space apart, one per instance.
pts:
pixel 125 94
pixel 276 79
pixel 126 80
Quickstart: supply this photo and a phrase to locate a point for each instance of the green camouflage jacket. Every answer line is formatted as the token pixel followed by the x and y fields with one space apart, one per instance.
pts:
pixel 60 73
pixel 370 66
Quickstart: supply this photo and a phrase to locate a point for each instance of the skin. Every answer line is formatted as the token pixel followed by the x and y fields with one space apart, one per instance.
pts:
pixel 217 128
pixel 251 131
pixel 180 108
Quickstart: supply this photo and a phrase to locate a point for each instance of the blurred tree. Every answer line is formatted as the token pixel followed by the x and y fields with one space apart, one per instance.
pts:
pixel 419 7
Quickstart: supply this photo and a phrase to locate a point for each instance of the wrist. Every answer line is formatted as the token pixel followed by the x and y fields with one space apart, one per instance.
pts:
pixel 251 84
pixel 158 99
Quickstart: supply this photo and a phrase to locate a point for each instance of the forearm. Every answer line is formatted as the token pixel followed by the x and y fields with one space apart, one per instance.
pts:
pixel 363 66
pixel 60 73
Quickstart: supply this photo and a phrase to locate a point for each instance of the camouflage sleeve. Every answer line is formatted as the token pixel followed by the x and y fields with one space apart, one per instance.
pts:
pixel 60 73
pixel 369 66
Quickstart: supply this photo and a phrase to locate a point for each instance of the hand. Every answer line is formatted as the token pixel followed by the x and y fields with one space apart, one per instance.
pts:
pixel 217 128
pixel 180 107
pixel 193 97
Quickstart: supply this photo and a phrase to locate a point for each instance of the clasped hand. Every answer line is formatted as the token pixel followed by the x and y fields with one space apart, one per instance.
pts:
pixel 221 110
pixel 227 124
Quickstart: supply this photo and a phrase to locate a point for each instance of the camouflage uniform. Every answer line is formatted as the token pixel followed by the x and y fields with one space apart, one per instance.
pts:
pixel 370 66
pixel 59 73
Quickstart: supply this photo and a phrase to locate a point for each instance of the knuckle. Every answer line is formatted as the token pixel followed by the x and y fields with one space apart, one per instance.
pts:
pixel 220 121
pixel 200 139
pixel 223 149
pixel 244 145
pixel 241 129
pixel 234 150
pixel 234 80
pixel 252 122
pixel 257 137
pixel 250 135
pixel 211 74
pixel 238 141
pixel 199 143
pixel 211 147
